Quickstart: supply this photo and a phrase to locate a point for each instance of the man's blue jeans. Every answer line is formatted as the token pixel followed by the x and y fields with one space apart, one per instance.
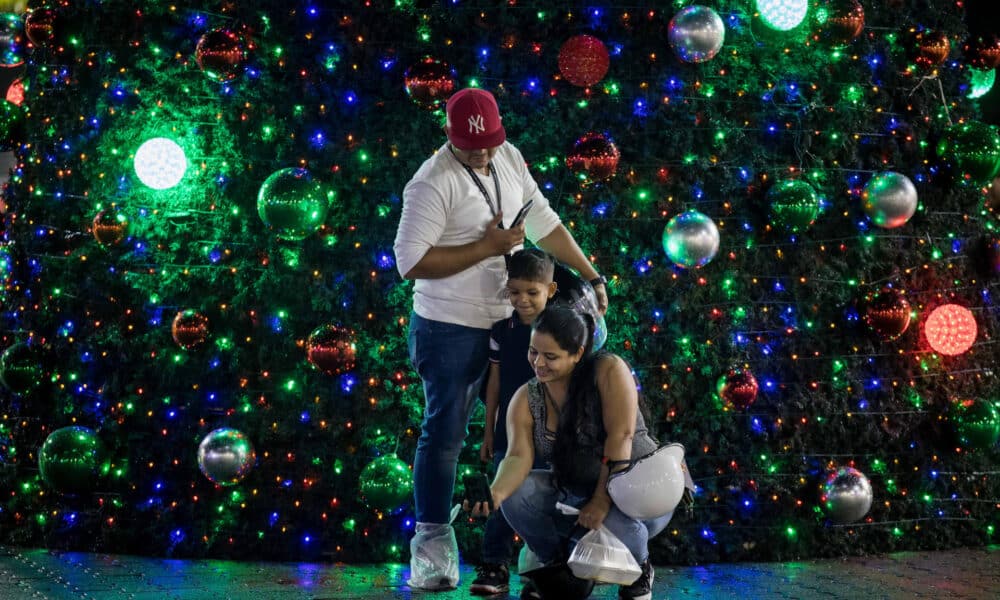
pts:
pixel 451 360
pixel 532 512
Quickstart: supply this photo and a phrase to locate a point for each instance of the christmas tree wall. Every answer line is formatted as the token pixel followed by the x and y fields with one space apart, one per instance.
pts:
pixel 204 340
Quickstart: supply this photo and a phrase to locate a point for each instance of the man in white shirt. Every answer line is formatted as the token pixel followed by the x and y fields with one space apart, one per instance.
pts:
pixel 454 232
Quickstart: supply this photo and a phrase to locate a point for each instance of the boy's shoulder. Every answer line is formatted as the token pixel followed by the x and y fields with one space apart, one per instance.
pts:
pixel 505 322
pixel 508 326
pixel 500 324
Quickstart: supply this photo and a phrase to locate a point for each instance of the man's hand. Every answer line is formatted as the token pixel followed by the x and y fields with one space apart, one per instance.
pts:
pixel 501 241
pixel 601 291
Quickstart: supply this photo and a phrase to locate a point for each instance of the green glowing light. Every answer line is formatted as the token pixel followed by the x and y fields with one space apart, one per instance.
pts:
pixel 981 82
pixel 782 15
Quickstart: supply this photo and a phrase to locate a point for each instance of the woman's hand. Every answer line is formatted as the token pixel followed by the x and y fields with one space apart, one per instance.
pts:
pixel 594 511
pixel 483 509
pixel 479 509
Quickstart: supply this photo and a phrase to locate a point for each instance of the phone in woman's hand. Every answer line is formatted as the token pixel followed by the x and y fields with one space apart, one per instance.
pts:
pixel 477 489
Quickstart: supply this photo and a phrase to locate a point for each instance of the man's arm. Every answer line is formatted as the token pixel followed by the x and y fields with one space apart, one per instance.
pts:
pixel 445 261
pixel 560 243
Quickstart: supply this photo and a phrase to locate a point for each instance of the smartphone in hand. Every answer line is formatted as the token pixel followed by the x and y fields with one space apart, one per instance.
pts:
pixel 521 214
pixel 477 489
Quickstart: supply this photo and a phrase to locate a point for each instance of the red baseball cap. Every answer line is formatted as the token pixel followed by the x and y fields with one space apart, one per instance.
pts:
pixel 474 120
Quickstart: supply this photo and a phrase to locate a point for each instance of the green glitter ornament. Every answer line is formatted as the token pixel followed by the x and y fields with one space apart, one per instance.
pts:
pixel 20 370
pixel 975 149
pixel 71 459
pixel 293 204
pixel 794 205
pixel 976 423
pixel 386 484
pixel 12 119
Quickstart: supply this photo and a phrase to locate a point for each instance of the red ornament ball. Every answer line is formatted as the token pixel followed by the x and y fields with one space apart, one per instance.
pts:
pixel 888 314
pixel 15 93
pixel 932 48
pixel 430 82
pixel 190 328
pixel 738 388
pixel 583 60
pixel 221 54
pixel 42 25
pixel 983 53
pixel 845 19
pixel 331 349
pixel 595 155
pixel 950 329
pixel 109 227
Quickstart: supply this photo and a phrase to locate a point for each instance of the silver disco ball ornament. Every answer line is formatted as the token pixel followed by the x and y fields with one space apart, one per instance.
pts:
pixel 696 34
pixel 691 239
pixel 889 199
pixel 847 495
pixel 225 456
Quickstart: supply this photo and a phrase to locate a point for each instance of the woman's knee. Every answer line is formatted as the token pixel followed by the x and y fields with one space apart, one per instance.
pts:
pixel 533 490
pixel 533 498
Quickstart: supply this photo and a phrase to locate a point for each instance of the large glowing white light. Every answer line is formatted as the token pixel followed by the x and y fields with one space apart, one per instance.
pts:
pixel 783 14
pixel 160 163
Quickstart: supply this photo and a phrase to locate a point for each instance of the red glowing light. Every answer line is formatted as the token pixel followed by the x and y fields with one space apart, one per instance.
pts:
pixel 950 329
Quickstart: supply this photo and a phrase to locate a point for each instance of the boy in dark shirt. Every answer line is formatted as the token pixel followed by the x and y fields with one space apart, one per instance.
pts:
pixel 529 287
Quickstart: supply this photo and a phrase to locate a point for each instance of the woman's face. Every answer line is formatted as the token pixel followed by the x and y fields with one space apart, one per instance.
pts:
pixel 550 361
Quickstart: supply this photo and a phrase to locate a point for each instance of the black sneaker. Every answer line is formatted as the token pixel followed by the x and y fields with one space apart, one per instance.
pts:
pixel 530 592
pixel 642 588
pixel 491 579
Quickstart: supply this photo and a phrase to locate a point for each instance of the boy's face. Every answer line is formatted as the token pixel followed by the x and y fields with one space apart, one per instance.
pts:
pixel 529 297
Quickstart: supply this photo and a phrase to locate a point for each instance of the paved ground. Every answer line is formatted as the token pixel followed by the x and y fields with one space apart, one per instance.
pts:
pixel 39 574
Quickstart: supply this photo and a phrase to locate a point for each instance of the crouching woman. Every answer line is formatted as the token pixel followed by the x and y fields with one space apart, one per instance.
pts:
pixel 581 415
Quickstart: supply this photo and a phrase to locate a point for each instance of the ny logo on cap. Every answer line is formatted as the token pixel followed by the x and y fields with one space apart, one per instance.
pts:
pixel 476 124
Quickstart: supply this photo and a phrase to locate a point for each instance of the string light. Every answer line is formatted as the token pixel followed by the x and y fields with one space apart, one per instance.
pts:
pixel 712 138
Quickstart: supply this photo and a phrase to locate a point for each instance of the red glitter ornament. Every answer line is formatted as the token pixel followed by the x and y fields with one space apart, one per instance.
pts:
pixel 594 154
pixel 190 328
pixel 982 53
pixel 738 388
pixel 220 54
pixel 888 314
pixel 950 329
pixel 583 60
pixel 109 227
pixel 430 82
pixel 932 48
pixel 844 22
pixel 331 349
pixel 41 26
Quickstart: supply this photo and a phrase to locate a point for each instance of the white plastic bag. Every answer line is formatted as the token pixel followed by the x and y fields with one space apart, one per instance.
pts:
pixel 601 556
pixel 434 555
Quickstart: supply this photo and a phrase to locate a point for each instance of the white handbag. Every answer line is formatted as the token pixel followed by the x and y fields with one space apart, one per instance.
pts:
pixel 652 486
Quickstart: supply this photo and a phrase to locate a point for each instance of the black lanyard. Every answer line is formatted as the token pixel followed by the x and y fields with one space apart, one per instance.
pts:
pixel 482 188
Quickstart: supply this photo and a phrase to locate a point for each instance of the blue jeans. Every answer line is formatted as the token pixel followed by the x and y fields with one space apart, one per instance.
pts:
pixel 451 360
pixel 531 511
pixel 498 537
